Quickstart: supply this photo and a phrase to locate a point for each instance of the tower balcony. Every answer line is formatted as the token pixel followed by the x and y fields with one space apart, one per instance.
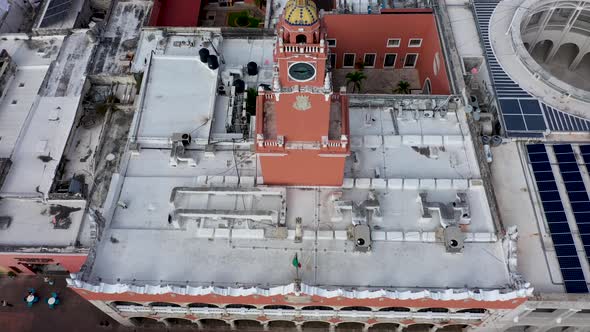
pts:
pixel 302 48
pixel 335 141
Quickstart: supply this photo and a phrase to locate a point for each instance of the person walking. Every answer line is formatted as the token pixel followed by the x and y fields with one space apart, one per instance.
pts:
pixel 5 304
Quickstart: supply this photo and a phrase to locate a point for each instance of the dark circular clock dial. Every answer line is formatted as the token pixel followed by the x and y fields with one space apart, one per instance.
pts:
pixel 301 71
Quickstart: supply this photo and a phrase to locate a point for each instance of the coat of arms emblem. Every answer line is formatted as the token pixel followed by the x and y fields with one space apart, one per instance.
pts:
pixel 302 103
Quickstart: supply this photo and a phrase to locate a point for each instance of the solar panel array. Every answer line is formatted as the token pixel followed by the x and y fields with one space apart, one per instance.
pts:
pixel 560 121
pixel 565 248
pixel 522 114
pixel 56 11
pixel 576 191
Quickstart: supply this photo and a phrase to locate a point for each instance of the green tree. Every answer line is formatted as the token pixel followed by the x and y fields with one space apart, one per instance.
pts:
pixel 403 87
pixel 356 78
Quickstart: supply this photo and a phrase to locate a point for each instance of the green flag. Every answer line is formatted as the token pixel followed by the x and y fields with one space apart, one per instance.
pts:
pixel 296 262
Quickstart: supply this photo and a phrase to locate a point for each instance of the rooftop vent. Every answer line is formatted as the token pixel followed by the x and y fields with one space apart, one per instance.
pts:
pixel 454 239
pixel 362 237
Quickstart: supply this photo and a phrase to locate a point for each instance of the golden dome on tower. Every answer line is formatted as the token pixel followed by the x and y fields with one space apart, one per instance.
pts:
pixel 301 12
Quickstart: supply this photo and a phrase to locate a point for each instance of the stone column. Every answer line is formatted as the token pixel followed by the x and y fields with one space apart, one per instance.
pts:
pixel 542 25
pixel 433 329
pixel 400 328
pixel 199 324
pixel 583 51
pixel 166 323
pixel 366 328
pixel 332 327
pixel 265 326
pixel 232 325
pixel 299 326
pixel 570 22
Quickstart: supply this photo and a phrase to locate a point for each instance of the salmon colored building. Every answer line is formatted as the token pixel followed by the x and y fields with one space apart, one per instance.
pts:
pixel 31 264
pixel 395 39
pixel 302 134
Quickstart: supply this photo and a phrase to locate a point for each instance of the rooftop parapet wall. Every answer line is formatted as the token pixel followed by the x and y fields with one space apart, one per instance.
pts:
pixel 452 298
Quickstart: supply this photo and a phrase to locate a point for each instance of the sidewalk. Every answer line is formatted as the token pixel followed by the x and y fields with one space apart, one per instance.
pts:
pixel 73 314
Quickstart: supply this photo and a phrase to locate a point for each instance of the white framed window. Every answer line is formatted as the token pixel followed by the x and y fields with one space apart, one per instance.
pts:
pixel 415 42
pixel 394 42
pixel 348 60
pixel 333 60
pixel 331 42
pixel 369 60
pixel 411 60
pixel 389 61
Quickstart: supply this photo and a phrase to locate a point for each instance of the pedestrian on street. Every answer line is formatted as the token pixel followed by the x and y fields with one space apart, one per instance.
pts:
pixel 5 304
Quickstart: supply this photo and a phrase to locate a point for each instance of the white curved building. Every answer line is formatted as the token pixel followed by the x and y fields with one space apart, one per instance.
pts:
pixel 536 51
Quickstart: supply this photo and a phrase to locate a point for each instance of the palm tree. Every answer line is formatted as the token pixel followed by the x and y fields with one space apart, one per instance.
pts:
pixel 403 87
pixel 356 78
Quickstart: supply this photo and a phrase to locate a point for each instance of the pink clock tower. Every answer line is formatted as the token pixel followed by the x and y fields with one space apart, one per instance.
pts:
pixel 302 132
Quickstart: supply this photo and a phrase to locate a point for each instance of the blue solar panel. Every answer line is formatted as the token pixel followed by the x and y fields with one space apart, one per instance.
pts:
pixel 566 158
pixel 575 186
pixel 566 250
pixel 585 238
pixel 544 176
pixel 538 157
pixel 572 274
pixel 582 217
pixel 548 196
pixel 556 216
pixel 578 196
pixel 562 238
pixel 583 228
pixel 542 167
pixel 563 148
pixel 510 106
pixel 535 122
pixel 568 167
pixel 576 287
pixel 572 177
pixel 536 148
pixel 568 262
pixel 559 227
pixel 563 241
pixel 530 106
pixel 514 122
pixel 552 206
pixel 581 206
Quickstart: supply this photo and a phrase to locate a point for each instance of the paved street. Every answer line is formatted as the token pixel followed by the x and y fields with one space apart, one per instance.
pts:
pixel 73 314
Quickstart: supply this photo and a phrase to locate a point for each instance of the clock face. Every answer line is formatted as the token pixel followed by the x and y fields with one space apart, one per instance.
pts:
pixel 301 71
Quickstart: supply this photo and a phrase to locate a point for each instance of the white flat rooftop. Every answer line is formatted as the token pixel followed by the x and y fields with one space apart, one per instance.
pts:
pixel 141 233
pixel 221 219
pixel 179 98
pixel 32 225
pixel 32 58
pixel 45 131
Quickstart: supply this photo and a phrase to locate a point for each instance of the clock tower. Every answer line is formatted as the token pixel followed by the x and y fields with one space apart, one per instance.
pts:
pixel 302 133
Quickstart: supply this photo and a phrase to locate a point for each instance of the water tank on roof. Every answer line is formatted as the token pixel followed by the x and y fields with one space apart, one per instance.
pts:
pixel 252 68
pixel 240 86
pixel 204 55
pixel 212 62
